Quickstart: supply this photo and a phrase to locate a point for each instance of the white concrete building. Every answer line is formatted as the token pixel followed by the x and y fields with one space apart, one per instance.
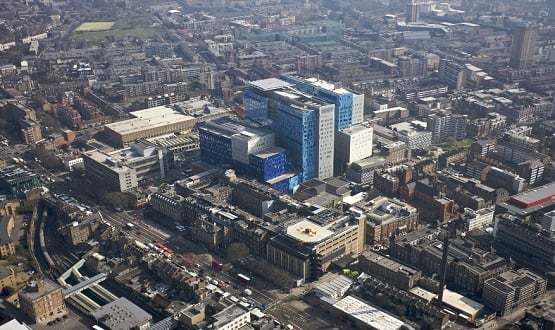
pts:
pixel 446 125
pixel 414 136
pixel 325 141
pixel 352 144
pixel 358 108
pixel 148 123
pixel 71 162
pixel 219 48
pixel 122 170
pixel 231 318
pixel 250 142
pixel 6 46
pixel 477 219
pixel 36 37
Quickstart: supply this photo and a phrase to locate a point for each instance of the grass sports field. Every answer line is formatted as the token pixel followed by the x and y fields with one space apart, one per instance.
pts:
pixel 94 26
pixel 139 27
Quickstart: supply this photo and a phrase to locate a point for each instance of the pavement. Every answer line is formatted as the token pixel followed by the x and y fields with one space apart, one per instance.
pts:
pixel 292 312
pixel 260 297
pixel 285 312
pixel 18 229
pixel 74 321
pixel 146 231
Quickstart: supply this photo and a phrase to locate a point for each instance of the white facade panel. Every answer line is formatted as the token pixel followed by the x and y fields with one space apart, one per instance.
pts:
pixel 246 143
pixel 326 138
pixel 358 109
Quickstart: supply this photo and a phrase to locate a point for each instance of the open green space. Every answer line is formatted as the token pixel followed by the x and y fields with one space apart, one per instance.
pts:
pixel 133 27
pixel 456 145
pixel 94 26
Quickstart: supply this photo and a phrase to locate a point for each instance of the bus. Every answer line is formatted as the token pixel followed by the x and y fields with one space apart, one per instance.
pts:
pixel 130 225
pixel 244 278
pixel 163 248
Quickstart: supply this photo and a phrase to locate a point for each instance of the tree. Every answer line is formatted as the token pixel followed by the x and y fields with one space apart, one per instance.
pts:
pixel 236 251
pixel 51 122
pixel 48 159
pixel 164 187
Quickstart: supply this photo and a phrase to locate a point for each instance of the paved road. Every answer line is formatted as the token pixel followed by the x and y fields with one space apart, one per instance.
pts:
pixel 146 232
pixel 261 298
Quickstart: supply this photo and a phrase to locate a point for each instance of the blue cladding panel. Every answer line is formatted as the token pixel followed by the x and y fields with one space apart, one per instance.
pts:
pixel 256 105
pixel 343 102
pixel 287 185
pixel 267 168
pixel 215 149
pixel 343 107
pixel 300 84
pixel 344 111
pixel 296 132
pixel 242 169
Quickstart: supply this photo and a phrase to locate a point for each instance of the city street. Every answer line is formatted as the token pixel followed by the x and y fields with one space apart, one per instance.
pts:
pixel 281 165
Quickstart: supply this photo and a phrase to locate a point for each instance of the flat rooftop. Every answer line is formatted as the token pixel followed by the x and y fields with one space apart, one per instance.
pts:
pixel 298 97
pixel 36 290
pixel 390 109
pixel 322 84
pixel 308 232
pixel 228 315
pixel 269 152
pixel 230 126
pixel 406 128
pixel 280 178
pixel 353 130
pixel 333 285
pixel 462 303
pixel 513 280
pixel 423 294
pixel 452 299
pixel 375 161
pixel 149 118
pixel 122 314
pixel 118 159
pixel 368 314
pixel 536 194
pixel 13 173
pixel 319 83
pixel 99 157
pixel 270 84
pixel 388 263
